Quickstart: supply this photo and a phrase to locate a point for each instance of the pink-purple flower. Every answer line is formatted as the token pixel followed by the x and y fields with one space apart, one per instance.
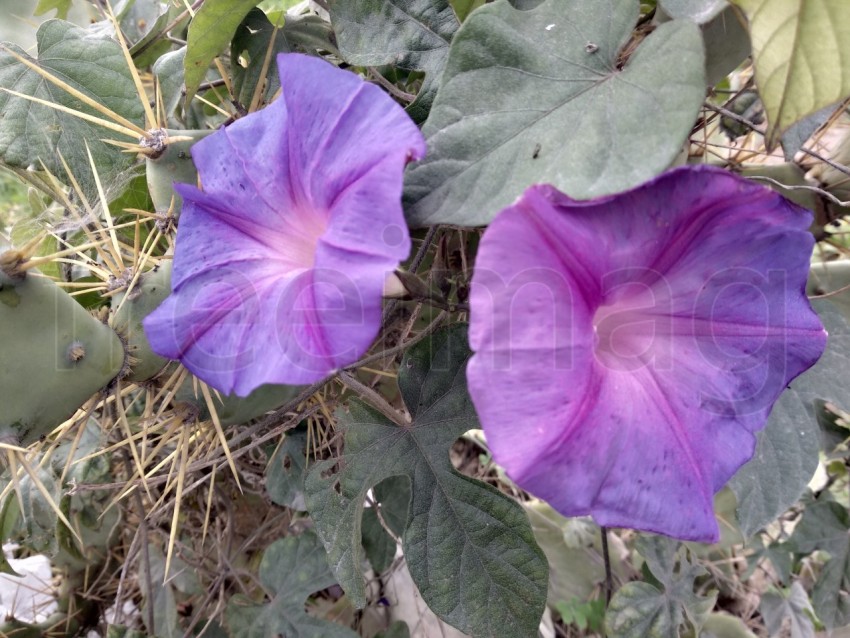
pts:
pixel 281 259
pixel 628 348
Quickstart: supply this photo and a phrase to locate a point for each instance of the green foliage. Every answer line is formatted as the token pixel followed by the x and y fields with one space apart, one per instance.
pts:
pixel 292 569
pixel 32 133
pixel 209 33
pixel 572 548
pixel 251 42
pixel 257 35
pixel 469 548
pixel 792 604
pixel 700 11
pixel 641 610
pixel 55 356
pixel 60 6
pixel 558 109
pixel 286 469
pixel 464 7
pixel 233 409
pixel 584 615
pixel 795 74
pixel 787 449
pixel 727 44
pixel 413 35
pixel 826 526
pixel 591 96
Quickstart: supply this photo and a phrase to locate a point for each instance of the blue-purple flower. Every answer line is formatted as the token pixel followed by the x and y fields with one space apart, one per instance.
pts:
pixel 281 259
pixel 628 348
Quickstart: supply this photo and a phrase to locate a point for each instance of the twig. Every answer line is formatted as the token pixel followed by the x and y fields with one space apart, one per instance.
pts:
pixel 201 465
pixel 813 189
pixel 375 400
pixel 389 86
pixel 430 328
pixel 168 28
pixel 754 127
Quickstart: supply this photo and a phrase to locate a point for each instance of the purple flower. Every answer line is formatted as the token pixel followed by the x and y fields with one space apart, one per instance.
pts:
pixel 281 259
pixel 628 348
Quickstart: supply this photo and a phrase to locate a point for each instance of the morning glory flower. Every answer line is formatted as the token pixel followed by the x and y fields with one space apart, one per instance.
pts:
pixel 281 259
pixel 628 348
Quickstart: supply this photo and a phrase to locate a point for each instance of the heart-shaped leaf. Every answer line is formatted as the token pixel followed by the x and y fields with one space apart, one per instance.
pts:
pixel 529 97
pixel 801 50
pixel 470 548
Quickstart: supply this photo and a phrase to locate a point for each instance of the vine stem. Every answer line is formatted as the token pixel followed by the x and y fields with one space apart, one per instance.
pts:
pixel 376 400
pixel 609 581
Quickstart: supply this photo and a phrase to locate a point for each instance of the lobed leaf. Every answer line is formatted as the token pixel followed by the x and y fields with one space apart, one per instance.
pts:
pixel 292 568
pixel 640 609
pixel 470 548
pixel 792 604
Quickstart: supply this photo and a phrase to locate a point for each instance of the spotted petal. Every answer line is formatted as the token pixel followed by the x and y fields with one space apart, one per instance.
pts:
pixel 628 348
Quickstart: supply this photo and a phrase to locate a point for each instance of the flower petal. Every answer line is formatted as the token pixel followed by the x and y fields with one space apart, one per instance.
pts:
pixel 627 381
pixel 281 259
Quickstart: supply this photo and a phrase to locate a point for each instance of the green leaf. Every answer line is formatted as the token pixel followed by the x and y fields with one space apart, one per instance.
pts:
pixel 699 11
pixel 251 42
pixel 292 568
pixel 31 132
pixel 168 70
pixel 209 32
pixel 575 564
pixel 62 7
pixel 470 548
pixel 727 44
pixel 160 598
pixel 527 97
pixel 142 23
pixel 409 34
pixel 826 526
pixel 787 450
pixel 724 625
pixel 640 609
pixel 398 629
pixel 801 50
pixel 393 497
pixel 800 132
pixel 285 471
pixel 464 7
pixel 793 604
pixel 378 545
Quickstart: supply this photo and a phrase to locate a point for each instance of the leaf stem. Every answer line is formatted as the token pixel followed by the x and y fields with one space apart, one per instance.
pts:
pixel 373 398
pixel 609 581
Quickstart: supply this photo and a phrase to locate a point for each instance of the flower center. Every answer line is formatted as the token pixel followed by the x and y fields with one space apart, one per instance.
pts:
pixel 301 236
pixel 627 334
